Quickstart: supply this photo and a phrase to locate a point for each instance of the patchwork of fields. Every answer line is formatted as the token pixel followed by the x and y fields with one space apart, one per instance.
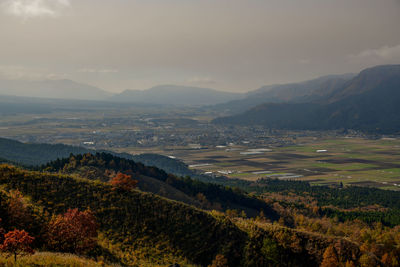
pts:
pixel 355 161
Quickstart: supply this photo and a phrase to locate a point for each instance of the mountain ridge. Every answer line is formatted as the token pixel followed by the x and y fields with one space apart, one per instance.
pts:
pixel 368 102
pixel 310 90
pixel 176 95
pixel 59 89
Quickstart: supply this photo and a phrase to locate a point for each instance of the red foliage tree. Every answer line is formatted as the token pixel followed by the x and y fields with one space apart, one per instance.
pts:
pixel 17 242
pixel 124 181
pixel 74 232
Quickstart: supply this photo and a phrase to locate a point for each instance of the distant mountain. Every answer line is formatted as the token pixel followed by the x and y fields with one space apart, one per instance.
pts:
pixel 307 91
pixel 65 89
pixel 376 78
pixel 368 102
pixel 176 95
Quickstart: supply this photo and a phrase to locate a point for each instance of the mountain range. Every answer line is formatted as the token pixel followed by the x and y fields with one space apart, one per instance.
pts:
pixel 176 95
pixel 65 89
pixel 368 102
pixel 293 92
pixel 160 95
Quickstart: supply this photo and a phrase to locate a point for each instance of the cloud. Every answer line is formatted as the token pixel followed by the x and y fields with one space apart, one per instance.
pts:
pixel 34 8
pixel 88 70
pixel 384 53
pixel 22 73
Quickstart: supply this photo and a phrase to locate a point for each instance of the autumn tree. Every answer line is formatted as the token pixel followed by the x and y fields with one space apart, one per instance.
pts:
pixel 330 258
pixel 17 211
pixel 17 242
pixel 74 232
pixel 367 260
pixel 232 213
pixel 350 264
pixel 124 182
pixel 203 200
pixel 386 259
pixel 219 261
pixel 261 217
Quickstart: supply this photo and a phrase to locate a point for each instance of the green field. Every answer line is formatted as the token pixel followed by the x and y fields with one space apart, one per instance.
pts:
pixel 351 161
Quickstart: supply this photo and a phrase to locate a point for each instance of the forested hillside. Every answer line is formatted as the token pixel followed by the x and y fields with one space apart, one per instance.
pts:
pixel 283 223
pixel 32 154
pixel 136 227
pixel 103 166
pixel 35 154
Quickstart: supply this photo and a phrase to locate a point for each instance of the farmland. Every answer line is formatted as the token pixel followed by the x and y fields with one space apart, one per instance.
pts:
pixel 351 161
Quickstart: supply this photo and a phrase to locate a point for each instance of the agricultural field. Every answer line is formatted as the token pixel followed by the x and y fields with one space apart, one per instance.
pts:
pixel 351 161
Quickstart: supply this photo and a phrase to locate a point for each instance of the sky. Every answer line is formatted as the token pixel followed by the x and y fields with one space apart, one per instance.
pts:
pixel 230 45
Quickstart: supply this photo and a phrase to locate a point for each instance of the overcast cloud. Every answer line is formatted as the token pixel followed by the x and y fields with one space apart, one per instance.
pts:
pixel 230 45
pixel 34 8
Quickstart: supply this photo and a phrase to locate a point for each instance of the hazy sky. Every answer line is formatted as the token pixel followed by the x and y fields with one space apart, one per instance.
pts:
pixel 234 45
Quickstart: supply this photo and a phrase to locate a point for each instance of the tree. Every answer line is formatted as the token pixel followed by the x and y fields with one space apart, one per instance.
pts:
pixel 261 217
pixel 219 261
pixel 17 242
pixel 17 211
pixel 330 258
pixel 232 213
pixel 386 259
pixel 124 182
pixel 350 264
pixel 367 260
pixel 74 232
pixel 270 251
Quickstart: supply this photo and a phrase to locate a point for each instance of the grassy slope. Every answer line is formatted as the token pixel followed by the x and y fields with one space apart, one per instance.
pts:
pixel 49 259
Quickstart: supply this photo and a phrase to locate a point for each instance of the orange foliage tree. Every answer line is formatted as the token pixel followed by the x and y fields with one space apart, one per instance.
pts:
pixel 17 242
pixel 219 261
pixel 330 258
pixel 74 232
pixel 124 181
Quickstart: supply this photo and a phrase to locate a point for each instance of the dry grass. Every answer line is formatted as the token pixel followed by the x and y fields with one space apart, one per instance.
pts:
pixel 49 259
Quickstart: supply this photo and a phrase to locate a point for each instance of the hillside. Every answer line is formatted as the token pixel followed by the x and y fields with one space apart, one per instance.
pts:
pixel 35 154
pixel 158 231
pixel 302 92
pixel 103 166
pixel 32 154
pixel 368 102
pixel 65 89
pixel 176 95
